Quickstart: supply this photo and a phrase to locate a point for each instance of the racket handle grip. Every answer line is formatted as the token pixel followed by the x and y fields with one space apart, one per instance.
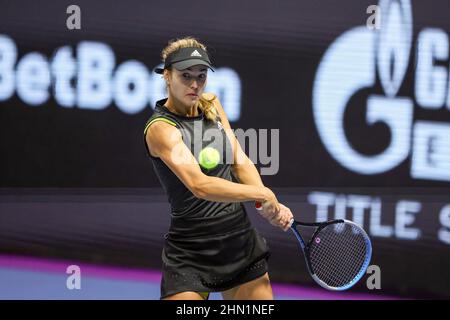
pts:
pixel 258 205
pixel 291 223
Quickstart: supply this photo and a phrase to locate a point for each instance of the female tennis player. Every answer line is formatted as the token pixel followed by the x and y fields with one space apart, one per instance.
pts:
pixel 211 245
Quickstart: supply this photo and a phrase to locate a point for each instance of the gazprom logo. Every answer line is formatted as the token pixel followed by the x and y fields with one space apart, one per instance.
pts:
pixel 352 63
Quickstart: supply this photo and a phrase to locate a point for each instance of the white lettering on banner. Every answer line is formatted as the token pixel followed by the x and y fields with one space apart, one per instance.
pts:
pixel 350 65
pixel 431 80
pixel 340 206
pixel 8 56
pixel 322 200
pixel 431 151
pixel 96 64
pixel 376 228
pixel 359 204
pixel 357 207
pixel 404 216
pixel 227 85
pixel 131 100
pixel 444 218
pixel 33 79
pixel 394 44
pixel 63 68
pixel 99 83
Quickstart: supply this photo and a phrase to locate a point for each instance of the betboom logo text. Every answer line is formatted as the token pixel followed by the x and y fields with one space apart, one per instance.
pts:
pixel 88 78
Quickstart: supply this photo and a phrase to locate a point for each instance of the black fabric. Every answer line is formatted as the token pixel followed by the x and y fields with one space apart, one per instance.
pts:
pixel 210 246
pixel 185 54
pixel 221 252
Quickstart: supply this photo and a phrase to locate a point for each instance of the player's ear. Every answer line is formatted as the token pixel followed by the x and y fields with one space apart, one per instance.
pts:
pixel 167 76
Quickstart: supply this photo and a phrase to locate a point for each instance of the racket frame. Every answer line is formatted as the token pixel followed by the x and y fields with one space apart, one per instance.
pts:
pixel 306 246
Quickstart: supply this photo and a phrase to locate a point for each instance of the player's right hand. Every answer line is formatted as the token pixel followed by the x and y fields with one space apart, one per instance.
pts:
pixel 270 207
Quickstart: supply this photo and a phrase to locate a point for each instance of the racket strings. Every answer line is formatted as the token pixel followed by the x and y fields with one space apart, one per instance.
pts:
pixel 337 254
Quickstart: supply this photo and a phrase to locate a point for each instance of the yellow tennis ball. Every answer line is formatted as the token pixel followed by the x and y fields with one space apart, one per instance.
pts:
pixel 209 158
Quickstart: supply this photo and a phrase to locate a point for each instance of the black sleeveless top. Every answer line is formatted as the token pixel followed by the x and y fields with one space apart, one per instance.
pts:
pixel 210 246
pixel 197 133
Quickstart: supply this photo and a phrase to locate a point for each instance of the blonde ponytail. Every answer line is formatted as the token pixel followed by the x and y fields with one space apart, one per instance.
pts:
pixel 208 108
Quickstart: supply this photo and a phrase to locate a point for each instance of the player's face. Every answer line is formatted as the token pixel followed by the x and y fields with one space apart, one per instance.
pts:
pixel 188 85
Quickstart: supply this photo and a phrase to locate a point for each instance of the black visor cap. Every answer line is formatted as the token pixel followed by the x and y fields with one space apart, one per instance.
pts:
pixel 185 58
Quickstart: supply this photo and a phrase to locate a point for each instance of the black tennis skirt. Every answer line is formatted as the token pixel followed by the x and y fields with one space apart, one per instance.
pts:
pixel 212 254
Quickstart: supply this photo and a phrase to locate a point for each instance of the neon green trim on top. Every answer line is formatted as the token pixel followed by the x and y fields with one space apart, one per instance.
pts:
pixel 204 295
pixel 159 119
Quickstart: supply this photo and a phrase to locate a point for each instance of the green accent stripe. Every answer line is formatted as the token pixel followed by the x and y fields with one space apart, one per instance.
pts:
pixel 159 119
pixel 205 295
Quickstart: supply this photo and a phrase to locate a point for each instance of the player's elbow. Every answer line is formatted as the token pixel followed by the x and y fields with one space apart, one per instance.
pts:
pixel 199 193
pixel 235 172
pixel 200 188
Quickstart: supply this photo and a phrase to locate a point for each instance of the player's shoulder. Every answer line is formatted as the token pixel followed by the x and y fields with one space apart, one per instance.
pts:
pixel 161 130
pixel 161 137
pixel 161 123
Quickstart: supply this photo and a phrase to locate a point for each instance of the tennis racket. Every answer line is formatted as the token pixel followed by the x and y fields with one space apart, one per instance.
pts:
pixel 337 254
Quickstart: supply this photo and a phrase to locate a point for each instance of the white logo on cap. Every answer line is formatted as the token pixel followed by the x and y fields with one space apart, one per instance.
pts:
pixel 195 53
